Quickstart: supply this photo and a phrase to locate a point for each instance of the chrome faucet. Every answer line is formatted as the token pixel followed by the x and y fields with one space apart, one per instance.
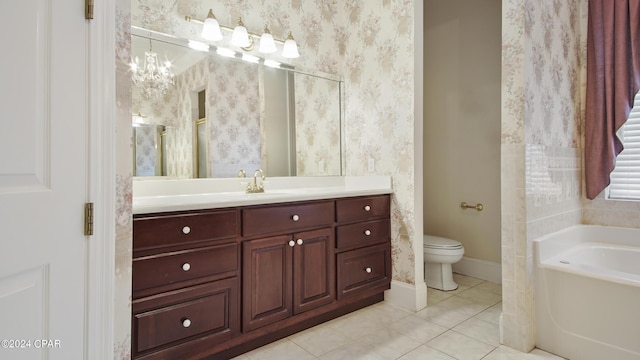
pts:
pixel 255 188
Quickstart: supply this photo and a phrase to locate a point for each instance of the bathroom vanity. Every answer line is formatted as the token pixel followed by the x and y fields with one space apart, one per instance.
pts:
pixel 218 274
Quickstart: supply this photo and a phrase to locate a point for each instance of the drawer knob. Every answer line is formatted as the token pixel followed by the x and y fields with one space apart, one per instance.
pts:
pixel 367 232
pixel 186 230
pixel 292 243
pixel 368 270
pixel 186 323
pixel 295 217
pixel 300 241
pixel 367 208
pixel 186 266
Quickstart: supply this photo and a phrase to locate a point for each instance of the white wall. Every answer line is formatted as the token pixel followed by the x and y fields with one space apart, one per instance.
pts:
pixel 462 123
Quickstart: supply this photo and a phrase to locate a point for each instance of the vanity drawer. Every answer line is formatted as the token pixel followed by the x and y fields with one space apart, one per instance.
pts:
pixel 172 267
pixel 364 269
pixel 206 310
pixel 158 231
pixel 362 208
pixel 286 218
pixel 363 234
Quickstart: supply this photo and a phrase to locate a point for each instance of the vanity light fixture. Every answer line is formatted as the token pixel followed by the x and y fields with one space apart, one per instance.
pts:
pixel 211 28
pixel 225 52
pixel 250 58
pixel 271 63
pixel 153 78
pixel 197 45
pixel 137 119
pixel 242 38
pixel 267 44
pixel 290 49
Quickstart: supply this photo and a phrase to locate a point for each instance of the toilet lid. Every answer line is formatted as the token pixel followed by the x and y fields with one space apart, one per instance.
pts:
pixel 437 242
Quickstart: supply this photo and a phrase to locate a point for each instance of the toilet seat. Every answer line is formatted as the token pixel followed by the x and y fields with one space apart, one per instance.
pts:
pixel 440 243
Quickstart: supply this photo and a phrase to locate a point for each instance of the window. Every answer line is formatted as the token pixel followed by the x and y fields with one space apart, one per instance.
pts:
pixel 625 178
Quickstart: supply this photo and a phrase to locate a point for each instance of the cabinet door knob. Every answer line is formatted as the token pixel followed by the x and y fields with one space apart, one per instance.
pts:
pixel 300 241
pixel 186 230
pixel 186 323
pixel 292 243
pixel 295 217
pixel 367 208
pixel 368 270
pixel 186 266
pixel 367 232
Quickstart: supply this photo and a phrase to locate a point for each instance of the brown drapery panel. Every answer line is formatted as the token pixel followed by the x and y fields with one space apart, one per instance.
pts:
pixel 613 78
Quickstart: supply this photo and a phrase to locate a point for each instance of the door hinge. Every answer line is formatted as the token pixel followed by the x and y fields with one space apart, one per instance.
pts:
pixel 88 9
pixel 88 219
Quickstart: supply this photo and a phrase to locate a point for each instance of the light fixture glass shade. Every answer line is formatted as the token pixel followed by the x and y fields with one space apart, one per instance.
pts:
pixel 240 36
pixel 290 49
pixel 267 44
pixel 211 28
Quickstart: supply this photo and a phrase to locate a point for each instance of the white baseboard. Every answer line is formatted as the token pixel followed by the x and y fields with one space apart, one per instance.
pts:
pixel 481 269
pixel 407 296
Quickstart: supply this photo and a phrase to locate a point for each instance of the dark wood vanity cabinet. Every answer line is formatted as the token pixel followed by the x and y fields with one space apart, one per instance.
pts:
pixel 213 284
pixel 363 250
pixel 185 283
pixel 286 275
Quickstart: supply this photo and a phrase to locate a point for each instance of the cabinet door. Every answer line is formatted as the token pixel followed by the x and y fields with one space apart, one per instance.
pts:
pixel 266 281
pixel 313 270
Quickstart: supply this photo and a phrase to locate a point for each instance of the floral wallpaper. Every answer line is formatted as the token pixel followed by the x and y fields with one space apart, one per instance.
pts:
pixel 318 144
pixel 146 151
pixel 178 155
pixel 233 117
pixel 170 112
pixel 337 37
pixel 369 44
pixel 553 115
pixel 540 144
pixel 158 111
pixel 188 84
pixel 233 123
pixel 376 38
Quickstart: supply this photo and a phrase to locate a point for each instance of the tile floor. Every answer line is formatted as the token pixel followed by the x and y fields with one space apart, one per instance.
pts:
pixel 460 324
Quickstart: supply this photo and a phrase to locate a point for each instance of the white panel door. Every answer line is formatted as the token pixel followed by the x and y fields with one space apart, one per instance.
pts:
pixel 43 179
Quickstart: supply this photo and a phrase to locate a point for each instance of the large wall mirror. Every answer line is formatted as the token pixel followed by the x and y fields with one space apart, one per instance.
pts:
pixel 222 115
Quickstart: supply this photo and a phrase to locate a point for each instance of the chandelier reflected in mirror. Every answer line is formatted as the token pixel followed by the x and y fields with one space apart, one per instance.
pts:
pixel 152 77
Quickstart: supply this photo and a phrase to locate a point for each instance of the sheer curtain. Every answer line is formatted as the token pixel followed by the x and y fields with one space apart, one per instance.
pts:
pixel 613 79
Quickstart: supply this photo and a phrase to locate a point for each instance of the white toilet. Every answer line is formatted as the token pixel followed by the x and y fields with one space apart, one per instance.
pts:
pixel 439 254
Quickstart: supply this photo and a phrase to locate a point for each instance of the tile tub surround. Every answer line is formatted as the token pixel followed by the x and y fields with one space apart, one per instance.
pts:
pixel 460 324
pixel 190 194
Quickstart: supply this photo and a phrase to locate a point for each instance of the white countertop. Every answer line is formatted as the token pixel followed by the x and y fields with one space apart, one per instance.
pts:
pixel 154 195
